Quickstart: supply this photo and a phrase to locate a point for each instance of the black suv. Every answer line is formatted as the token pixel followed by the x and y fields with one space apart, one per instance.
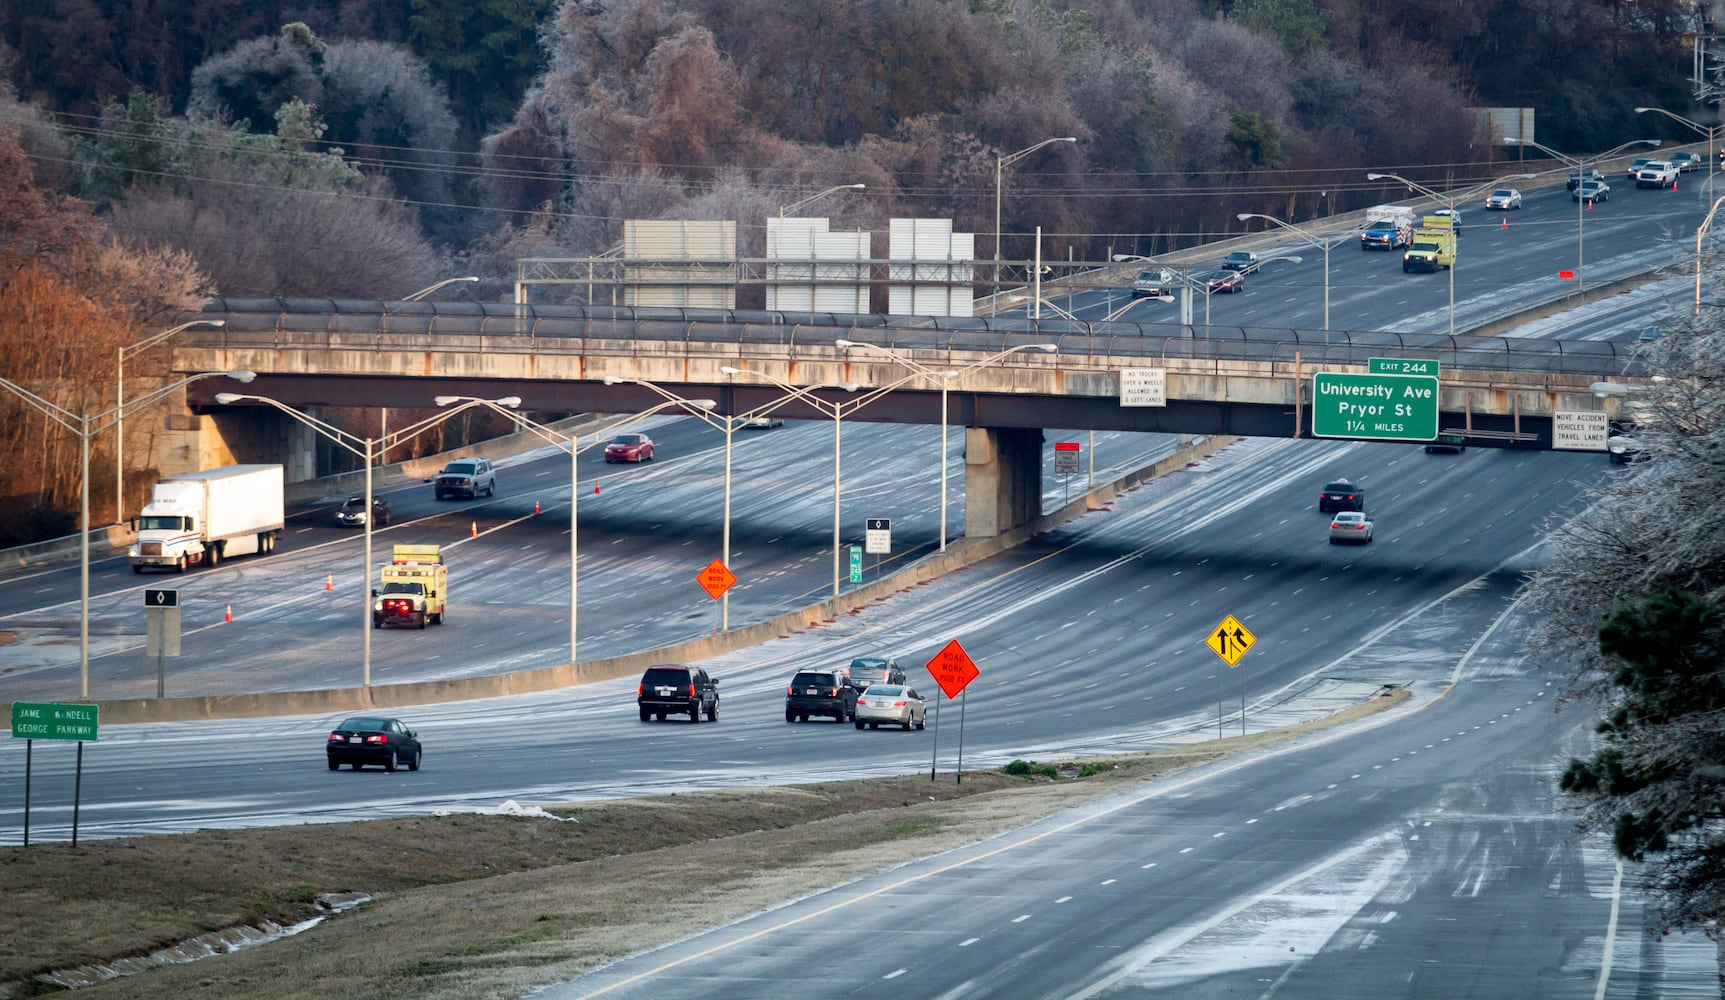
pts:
pixel 1341 495
pixel 677 690
pixel 866 670
pixel 821 692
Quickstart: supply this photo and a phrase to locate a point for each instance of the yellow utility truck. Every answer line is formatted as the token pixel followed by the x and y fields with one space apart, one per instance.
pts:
pixel 415 588
pixel 1433 246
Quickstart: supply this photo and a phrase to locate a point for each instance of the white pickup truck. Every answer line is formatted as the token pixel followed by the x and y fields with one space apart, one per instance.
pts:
pixel 1656 173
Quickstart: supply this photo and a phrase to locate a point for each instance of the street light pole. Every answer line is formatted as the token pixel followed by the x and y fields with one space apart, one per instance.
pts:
pixel 1580 167
pixel 423 292
pixel 1000 165
pixel 1450 201
pixel 1321 244
pixel 1712 135
pixel 125 352
pixel 85 425
pixel 818 196
pixel 1702 231
pixel 946 377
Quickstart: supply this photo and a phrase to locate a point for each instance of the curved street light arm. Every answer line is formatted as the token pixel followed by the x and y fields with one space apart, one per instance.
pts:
pixel 129 350
pixel 350 442
pixel 423 292
pixel 818 196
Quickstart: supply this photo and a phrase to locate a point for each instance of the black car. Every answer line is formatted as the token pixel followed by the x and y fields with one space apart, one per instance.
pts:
pixel 828 693
pixel 1341 495
pixel 1576 177
pixel 351 513
pixel 373 739
pixel 866 670
pixel 1223 281
pixel 677 690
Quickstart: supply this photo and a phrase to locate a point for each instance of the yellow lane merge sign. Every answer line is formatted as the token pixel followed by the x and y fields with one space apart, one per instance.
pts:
pixel 1230 641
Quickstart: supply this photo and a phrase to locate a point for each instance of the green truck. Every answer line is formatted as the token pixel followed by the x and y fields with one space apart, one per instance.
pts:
pixel 1433 246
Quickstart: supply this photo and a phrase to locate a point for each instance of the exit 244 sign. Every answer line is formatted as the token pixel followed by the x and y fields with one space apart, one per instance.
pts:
pixel 1374 407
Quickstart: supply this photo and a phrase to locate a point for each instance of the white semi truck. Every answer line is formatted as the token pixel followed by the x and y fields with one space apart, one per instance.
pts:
pixel 201 518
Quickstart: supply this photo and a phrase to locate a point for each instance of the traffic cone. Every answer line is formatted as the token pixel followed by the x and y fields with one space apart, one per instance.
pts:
pixel 329 582
pixel 473 530
pixel 1505 223
pixel 535 506
pixel 595 486
pixel 229 616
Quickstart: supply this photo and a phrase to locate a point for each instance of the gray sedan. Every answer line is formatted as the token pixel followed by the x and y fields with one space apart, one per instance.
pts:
pixel 890 703
pixel 1350 526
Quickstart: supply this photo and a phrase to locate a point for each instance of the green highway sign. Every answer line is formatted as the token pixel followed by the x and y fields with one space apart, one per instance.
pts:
pixel 49 721
pixel 1402 366
pixel 856 563
pixel 1374 407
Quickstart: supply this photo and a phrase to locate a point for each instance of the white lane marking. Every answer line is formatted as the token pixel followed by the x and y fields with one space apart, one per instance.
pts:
pixel 1254 819
pixel 967 942
pixel 1021 918
pixel 1065 899
pixel 895 974
pixel 1610 932
pixel 1185 850
pixel 1213 836
pixel 1150 865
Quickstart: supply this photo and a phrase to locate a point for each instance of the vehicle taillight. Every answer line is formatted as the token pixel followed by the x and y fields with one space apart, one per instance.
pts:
pixel 336 738
pixel 691 689
pixel 640 689
pixel 900 704
pixel 834 693
pixel 790 691
pixel 377 738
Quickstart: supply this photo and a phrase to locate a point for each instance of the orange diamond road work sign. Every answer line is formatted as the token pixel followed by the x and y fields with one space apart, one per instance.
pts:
pixel 952 668
pixel 716 579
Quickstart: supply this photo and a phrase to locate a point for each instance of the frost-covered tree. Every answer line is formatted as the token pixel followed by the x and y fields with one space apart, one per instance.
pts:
pixel 1632 608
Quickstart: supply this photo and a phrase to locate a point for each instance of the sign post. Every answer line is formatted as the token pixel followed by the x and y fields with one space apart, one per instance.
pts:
pixel 32 721
pixel 715 579
pixel 1230 641
pixel 953 669
pixel 162 631
pixel 877 539
pixel 1066 463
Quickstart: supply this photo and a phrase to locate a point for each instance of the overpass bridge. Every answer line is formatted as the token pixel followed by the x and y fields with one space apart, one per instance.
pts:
pixel 1494 391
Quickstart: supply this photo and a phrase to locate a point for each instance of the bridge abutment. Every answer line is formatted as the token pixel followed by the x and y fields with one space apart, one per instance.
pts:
pixel 1002 479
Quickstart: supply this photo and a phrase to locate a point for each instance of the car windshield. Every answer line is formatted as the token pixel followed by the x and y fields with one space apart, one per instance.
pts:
pixel 626 439
pixel 404 588
pixel 354 503
pixel 1349 517
pixel 1502 193
pixel 812 680
pixel 1341 487
pixel 884 691
pixel 463 467
pixel 1147 276
pixel 662 675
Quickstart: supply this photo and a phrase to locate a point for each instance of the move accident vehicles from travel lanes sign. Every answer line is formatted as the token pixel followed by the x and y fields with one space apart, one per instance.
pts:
pixel 1375 406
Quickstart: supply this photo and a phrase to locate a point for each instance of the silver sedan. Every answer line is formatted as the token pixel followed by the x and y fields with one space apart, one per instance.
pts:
pixel 1350 526
pixel 890 703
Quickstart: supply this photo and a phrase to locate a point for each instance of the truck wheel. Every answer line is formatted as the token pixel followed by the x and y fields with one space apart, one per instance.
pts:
pixel 377 623
pixel 213 556
pixel 645 715
pixel 137 569
pixel 180 565
pixel 437 619
pixel 694 711
pixel 420 623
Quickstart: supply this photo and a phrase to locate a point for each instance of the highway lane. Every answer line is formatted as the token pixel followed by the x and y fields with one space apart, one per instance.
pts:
pixel 1089 641
pixel 1423 853
pixel 645 532
pixel 1501 270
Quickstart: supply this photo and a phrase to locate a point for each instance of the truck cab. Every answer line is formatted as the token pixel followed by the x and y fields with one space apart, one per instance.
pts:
pixel 1388 227
pixel 415 588
pixel 1433 246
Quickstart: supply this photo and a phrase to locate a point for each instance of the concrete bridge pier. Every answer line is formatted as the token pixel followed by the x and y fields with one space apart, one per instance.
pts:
pixel 1002 479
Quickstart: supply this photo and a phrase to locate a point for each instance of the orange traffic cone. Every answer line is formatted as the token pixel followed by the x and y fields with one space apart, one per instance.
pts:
pixel 535 506
pixel 329 582
pixel 473 530
pixel 1505 223
pixel 595 486
pixel 229 616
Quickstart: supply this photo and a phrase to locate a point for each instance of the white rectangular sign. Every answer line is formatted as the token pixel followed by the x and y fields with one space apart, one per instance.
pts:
pixel 877 537
pixel 1579 430
pixel 1143 387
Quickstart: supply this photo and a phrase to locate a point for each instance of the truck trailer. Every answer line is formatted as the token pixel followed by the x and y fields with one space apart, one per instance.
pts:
pixel 201 518
pixel 1388 227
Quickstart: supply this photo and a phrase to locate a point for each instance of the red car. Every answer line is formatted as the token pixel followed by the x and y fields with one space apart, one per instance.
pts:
pixel 629 448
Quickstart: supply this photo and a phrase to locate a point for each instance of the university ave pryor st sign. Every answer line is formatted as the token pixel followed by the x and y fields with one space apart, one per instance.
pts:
pixel 1375 407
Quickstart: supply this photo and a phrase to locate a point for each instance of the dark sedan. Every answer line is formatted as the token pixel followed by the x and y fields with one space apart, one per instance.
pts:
pixel 629 448
pixel 1224 281
pixel 351 513
pixel 372 739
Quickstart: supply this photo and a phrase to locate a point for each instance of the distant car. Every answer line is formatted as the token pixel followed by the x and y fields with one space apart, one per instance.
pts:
pixel 1648 335
pixel 1686 162
pixel 372 739
pixel 1577 177
pixel 1154 282
pixel 826 693
pixel 351 513
pixel 1244 261
pixel 1504 199
pixel 673 689
pixel 866 670
pixel 891 704
pixel 1454 216
pixel 1447 444
pixel 1341 495
pixel 1350 526
pixel 629 448
pixel 763 423
pixel 1591 191
pixel 466 477
pixel 1223 281
pixel 1640 161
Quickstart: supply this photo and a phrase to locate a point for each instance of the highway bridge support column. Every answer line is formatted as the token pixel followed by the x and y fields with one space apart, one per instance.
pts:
pixel 1002 479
